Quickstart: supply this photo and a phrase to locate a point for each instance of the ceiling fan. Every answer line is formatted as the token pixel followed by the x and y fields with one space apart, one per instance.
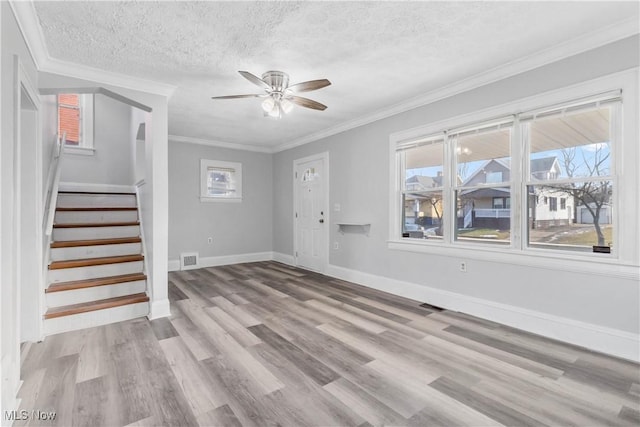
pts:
pixel 279 95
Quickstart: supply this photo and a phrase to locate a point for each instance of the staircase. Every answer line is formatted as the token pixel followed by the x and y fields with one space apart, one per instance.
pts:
pixel 96 268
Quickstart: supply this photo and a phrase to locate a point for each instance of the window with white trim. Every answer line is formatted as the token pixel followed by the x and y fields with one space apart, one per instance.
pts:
pixel 422 185
pixel 220 181
pixel 483 165
pixel 570 158
pixel 75 121
pixel 560 196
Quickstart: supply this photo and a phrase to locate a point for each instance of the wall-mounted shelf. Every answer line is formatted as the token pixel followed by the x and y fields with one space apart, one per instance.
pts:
pixel 354 227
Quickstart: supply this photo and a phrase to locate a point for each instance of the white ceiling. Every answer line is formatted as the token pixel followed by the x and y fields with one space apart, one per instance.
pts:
pixel 376 54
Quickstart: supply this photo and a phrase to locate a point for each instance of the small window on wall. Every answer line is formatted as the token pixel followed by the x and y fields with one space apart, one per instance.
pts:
pixel 75 122
pixel 220 181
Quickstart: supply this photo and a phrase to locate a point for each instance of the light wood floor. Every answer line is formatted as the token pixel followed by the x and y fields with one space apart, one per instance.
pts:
pixel 263 344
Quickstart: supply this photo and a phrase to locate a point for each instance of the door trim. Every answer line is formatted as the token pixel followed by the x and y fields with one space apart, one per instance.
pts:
pixel 22 81
pixel 324 156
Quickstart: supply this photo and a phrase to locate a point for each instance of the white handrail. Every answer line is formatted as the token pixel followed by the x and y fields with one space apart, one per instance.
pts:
pixel 52 190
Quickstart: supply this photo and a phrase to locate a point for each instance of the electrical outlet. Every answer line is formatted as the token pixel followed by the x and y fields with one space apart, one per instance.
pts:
pixel 336 245
pixel 210 240
pixel 336 207
pixel 463 266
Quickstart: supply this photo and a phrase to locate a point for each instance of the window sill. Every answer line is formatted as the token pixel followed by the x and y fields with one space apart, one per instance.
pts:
pixel 553 260
pixel 81 151
pixel 220 199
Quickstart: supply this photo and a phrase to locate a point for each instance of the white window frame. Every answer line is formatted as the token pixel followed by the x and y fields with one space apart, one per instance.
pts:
pixel 426 139
pixel 507 122
pixel 623 264
pixel 85 146
pixel 205 165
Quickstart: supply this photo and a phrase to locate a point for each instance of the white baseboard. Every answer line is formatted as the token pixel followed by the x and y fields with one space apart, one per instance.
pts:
pixel 173 265
pixel 215 261
pixel 606 340
pixel 102 188
pixel 284 258
pixel 159 309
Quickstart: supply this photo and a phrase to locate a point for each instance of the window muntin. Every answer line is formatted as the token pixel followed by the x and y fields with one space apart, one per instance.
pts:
pixel 422 185
pixel 220 180
pixel 570 159
pixel 483 165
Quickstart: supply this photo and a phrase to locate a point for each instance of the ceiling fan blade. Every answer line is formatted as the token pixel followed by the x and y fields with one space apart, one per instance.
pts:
pixel 239 96
pixel 310 85
pixel 307 103
pixel 255 80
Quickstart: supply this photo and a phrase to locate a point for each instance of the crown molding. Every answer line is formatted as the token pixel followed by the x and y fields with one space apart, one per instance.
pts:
pixel 27 19
pixel 85 72
pixel 28 22
pixel 220 144
pixel 601 37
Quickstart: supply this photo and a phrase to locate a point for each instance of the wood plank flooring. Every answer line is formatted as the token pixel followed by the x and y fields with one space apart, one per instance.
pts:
pixel 264 344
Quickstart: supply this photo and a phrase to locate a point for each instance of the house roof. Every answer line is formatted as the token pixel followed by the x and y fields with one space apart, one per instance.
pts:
pixel 543 164
pixel 425 181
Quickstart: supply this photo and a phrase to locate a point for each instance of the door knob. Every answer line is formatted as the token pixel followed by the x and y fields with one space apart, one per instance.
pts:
pixel 321 221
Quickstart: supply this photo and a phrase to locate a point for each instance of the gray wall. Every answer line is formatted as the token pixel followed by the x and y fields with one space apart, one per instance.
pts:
pixel 236 228
pixel 112 162
pixel 359 181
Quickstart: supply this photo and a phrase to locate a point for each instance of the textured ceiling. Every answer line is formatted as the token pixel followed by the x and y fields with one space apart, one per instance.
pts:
pixel 376 54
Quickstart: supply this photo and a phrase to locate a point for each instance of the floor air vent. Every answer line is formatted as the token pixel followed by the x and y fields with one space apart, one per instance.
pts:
pixel 188 260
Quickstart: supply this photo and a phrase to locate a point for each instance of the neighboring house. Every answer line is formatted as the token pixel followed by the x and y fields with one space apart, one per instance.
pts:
pixel 490 207
pixel 420 209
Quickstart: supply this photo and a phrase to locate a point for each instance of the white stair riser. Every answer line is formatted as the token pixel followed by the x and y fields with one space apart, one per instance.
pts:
pixel 95 318
pixel 95 251
pixel 94 271
pixel 89 233
pixel 77 296
pixel 78 217
pixel 66 200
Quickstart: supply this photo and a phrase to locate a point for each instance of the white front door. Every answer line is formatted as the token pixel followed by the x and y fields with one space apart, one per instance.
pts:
pixel 310 214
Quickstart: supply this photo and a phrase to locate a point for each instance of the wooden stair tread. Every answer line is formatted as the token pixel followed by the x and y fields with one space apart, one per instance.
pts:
pixel 96 209
pixel 90 283
pixel 85 307
pixel 96 224
pixel 99 193
pixel 56 265
pixel 95 242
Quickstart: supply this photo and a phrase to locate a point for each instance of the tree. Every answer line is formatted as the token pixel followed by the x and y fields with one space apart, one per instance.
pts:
pixel 436 204
pixel 593 195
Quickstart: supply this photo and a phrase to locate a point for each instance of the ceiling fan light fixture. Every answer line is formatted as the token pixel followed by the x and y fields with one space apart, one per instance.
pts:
pixel 279 98
pixel 286 105
pixel 276 111
pixel 268 104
